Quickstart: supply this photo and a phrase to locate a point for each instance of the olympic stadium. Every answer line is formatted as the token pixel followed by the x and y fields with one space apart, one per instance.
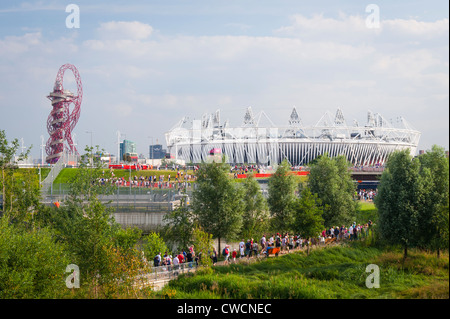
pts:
pixel 195 141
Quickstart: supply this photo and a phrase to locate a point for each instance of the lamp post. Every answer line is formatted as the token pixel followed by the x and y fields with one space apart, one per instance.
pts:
pixel 118 147
pixel 130 176
pixel 90 132
pixel 42 150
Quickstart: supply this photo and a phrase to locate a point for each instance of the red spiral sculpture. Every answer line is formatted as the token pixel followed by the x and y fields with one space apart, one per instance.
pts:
pixel 61 121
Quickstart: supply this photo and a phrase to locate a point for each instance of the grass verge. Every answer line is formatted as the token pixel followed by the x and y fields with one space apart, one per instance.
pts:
pixel 331 273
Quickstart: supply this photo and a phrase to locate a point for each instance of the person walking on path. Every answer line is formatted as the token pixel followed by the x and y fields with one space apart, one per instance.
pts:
pixel 263 243
pixel 226 254
pixel 241 249
pixel 234 254
pixel 214 256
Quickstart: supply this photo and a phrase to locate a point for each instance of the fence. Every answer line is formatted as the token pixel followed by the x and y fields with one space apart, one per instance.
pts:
pixel 158 276
pixel 63 189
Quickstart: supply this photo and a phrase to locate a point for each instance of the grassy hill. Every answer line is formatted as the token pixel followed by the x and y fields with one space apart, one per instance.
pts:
pixel 67 174
pixel 330 273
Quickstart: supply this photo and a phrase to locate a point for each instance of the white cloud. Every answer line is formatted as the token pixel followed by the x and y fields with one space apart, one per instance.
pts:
pixel 133 30
pixel 147 82
pixel 350 28
pixel 123 110
pixel 13 45
pixel 318 28
pixel 416 28
pixel 35 6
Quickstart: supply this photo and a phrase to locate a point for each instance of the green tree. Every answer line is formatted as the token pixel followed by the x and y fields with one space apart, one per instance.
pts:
pixel 256 210
pixel 10 193
pixel 32 264
pixel 153 244
pixel 434 169
pixel 85 184
pixel 308 220
pixel 179 226
pixel 127 238
pixel 440 223
pixel 400 194
pixel 281 187
pixel 92 238
pixel 203 246
pixel 331 180
pixel 88 229
pixel 217 201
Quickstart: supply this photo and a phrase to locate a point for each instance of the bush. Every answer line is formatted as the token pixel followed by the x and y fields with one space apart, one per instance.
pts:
pixel 32 264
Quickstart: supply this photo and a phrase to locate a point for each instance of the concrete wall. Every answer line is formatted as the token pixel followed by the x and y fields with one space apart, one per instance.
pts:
pixel 146 221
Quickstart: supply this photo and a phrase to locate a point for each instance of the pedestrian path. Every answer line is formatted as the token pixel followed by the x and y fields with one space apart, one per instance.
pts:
pixel 160 276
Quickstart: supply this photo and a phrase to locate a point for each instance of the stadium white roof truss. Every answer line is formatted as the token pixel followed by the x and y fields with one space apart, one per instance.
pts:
pixel 255 143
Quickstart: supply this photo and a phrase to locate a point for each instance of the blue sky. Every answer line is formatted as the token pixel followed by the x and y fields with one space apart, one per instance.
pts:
pixel 145 64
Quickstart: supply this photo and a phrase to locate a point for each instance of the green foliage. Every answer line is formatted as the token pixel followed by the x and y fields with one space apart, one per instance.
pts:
pixel 87 227
pixel 203 245
pixel 217 201
pixel 398 201
pixel 67 174
pixel 413 200
pixel 308 219
pixel 32 265
pixel 23 195
pixel 331 180
pixel 331 273
pixel 179 225
pixel 282 187
pixel 127 238
pixel 366 211
pixel 91 237
pixel 153 244
pixel 256 211
pixel 85 182
pixel 440 222
pixel 433 219
pixel 13 199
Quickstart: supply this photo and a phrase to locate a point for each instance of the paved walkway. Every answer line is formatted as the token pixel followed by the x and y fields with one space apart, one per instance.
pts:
pixel 163 277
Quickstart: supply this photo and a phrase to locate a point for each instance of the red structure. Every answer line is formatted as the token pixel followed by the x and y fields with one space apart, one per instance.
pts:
pixel 61 121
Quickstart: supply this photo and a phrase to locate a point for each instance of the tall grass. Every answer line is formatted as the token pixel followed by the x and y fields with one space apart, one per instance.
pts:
pixel 329 273
pixel 367 211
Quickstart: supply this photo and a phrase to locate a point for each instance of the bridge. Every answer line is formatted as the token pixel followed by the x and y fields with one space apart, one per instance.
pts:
pixel 143 209
pixel 367 177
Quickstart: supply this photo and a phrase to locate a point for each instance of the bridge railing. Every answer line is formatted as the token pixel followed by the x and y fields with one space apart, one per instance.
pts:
pixel 166 272
pixel 367 169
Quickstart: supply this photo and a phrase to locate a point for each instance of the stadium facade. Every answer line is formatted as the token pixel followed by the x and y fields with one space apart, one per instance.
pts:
pixel 253 143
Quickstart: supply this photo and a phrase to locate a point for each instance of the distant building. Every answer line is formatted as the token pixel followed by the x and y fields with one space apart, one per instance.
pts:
pixel 131 157
pixel 104 157
pixel 259 141
pixel 127 147
pixel 156 151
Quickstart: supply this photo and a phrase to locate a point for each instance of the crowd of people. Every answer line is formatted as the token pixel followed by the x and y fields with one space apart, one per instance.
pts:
pixel 185 257
pixel 253 248
pixel 366 194
pixel 180 179
pixel 259 169
pixel 287 242
pixel 368 168
pixel 353 232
